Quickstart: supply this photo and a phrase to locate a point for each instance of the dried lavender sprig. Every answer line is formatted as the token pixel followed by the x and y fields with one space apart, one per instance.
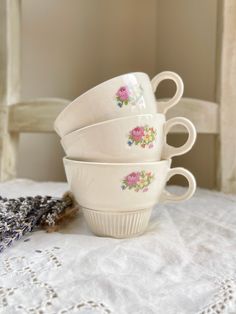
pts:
pixel 28 215
pixel 20 216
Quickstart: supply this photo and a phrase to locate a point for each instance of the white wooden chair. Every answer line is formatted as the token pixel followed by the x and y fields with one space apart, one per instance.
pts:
pixel 37 115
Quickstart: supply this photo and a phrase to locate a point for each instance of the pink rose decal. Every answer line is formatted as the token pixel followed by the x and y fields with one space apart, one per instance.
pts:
pixel 137 181
pixel 144 136
pixel 128 95
pixel 123 93
pixel 132 178
pixel 122 96
pixel 137 133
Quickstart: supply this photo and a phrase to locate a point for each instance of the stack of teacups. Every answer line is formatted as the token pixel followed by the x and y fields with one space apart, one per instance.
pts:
pixel 118 160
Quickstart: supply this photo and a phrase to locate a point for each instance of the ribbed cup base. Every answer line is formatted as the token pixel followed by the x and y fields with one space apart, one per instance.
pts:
pixel 117 224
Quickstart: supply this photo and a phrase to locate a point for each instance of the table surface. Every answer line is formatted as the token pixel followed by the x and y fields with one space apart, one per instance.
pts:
pixel 184 263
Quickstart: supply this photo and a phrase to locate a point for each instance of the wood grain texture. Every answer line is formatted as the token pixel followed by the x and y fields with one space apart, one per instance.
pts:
pixel 204 115
pixel 9 82
pixel 226 95
pixel 15 116
pixel 36 115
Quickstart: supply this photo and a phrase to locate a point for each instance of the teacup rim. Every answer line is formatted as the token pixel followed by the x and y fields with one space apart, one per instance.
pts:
pixel 95 163
pixel 110 121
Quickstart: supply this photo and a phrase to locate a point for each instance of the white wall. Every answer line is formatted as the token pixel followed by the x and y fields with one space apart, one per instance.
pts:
pixel 68 47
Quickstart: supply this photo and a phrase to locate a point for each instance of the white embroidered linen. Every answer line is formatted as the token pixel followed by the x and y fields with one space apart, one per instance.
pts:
pixel 185 262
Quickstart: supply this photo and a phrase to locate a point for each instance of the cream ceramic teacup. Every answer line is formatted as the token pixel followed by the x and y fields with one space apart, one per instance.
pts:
pixel 120 224
pixel 130 139
pixel 116 187
pixel 125 95
pixel 117 199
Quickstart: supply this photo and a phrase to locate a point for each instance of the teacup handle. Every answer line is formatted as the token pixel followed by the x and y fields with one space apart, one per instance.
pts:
pixel 171 151
pixel 164 106
pixel 167 197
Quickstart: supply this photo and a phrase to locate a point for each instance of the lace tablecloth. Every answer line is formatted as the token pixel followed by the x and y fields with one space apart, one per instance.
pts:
pixel 185 263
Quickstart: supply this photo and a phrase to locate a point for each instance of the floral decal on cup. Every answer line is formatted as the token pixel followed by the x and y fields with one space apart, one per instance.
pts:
pixel 126 95
pixel 143 136
pixel 137 181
